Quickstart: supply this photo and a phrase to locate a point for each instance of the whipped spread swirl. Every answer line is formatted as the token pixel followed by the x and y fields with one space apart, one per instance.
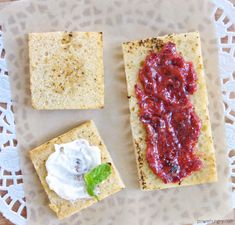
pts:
pixel 67 165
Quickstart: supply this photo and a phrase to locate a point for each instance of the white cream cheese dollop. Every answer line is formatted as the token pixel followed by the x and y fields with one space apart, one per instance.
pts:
pixel 67 165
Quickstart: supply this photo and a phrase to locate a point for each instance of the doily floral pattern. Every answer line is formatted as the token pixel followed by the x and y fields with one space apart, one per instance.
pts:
pixel 225 27
pixel 12 201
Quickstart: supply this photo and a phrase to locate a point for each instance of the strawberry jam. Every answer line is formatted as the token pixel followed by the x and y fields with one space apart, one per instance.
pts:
pixel 165 84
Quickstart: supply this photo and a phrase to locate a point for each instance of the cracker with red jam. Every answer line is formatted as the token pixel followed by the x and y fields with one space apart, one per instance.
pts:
pixel 169 111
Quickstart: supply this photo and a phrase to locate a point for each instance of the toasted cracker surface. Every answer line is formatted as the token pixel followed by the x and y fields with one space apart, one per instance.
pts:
pixel 66 70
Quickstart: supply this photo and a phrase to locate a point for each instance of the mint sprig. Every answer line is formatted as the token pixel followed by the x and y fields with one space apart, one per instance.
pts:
pixel 95 177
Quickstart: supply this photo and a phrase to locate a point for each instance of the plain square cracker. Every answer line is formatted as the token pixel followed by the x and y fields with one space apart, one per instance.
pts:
pixel 190 47
pixel 66 70
pixel 39 155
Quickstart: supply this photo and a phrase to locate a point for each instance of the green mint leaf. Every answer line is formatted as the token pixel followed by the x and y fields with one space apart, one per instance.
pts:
pixel 96 176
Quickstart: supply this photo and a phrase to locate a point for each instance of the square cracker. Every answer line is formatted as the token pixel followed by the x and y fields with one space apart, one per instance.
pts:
pixel 135 52
pixel 39 155
pixel 66 70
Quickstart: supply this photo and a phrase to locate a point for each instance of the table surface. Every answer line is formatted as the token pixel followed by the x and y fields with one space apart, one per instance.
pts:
pixel 4 221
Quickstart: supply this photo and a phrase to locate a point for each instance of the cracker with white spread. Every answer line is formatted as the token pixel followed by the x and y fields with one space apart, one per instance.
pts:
pixel 64 208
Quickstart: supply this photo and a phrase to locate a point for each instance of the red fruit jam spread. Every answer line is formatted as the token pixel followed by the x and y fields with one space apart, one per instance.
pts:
pixel 166 82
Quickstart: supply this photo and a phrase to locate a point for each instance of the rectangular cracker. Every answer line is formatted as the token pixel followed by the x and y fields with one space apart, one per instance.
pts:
pixel 39 155
pixel 66 70
pixel 190 47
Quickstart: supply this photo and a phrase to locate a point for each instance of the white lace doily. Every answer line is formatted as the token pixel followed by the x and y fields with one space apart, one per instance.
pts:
pixel 12 201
